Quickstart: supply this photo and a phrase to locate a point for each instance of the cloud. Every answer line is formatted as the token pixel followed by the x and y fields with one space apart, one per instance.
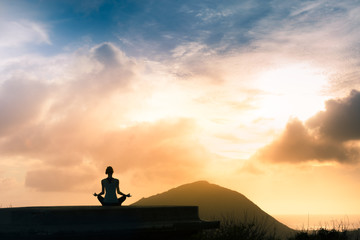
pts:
pixel 108 55
pixel 38 93
pixel 104 69
pixel 297 144
pixel 18 33
pixel 7 184
pixel 81 117
pixel 163 146
pixel 21 102
pixel 330 135
pixel 90 79
pixel 59 180
pixel 251 168
pixel 341 119
pixel 166 150
pixel 276 26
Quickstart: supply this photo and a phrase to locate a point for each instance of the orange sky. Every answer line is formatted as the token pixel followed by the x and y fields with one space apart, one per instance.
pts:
pixel 275 118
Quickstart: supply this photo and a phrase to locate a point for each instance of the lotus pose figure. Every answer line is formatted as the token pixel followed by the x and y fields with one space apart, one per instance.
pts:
pixel 111 186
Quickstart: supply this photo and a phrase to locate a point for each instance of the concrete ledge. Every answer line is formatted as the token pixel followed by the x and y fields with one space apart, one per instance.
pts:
pixel 92 222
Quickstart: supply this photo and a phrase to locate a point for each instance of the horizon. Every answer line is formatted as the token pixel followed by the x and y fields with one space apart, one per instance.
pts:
pixel 318 221
pixel 260 97
pixel 294 221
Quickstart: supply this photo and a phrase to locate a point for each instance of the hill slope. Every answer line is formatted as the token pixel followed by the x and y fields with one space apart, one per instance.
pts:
pixel 216 202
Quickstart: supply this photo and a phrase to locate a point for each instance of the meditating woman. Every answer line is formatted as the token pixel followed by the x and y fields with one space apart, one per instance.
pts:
pixel 111 187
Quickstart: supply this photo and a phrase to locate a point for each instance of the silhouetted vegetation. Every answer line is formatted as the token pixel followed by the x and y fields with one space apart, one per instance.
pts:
pixel 232 229
pixel 258 230
pixel 340 230
pixel 321 234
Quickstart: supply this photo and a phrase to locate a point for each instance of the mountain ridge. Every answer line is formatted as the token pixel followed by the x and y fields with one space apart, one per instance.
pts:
pixel 216 202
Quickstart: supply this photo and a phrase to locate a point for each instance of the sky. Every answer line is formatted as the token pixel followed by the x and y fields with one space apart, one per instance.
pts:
pixel 261 97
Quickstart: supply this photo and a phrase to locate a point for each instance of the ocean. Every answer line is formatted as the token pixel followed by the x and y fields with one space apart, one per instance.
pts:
pixel 313 222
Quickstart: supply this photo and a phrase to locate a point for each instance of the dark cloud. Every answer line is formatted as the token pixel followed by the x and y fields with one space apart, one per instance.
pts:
pixel 107 54
pixel 297 144
pixel 341 120
pixel 330 135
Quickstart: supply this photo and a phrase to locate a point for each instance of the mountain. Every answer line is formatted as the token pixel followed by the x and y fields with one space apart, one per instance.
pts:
pixel 216 203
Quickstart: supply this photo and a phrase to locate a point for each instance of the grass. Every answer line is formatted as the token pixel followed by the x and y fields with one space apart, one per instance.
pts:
pixel 340 230
pixel 231 229
pixel 322 234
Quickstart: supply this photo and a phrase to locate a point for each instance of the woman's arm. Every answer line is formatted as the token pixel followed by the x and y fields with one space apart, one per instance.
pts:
pixel 118 189
pixel 119 192
pixel 102 190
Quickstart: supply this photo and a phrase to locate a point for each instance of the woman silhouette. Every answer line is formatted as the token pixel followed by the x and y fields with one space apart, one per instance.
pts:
pixel 111 186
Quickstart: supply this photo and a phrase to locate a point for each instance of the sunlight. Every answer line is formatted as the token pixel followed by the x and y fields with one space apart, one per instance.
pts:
pixel 293 90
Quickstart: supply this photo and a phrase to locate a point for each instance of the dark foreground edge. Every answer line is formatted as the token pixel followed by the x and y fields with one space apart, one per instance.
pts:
pixel 96 222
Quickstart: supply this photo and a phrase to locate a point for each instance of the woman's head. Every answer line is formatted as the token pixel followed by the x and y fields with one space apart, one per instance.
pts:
pixel 109 170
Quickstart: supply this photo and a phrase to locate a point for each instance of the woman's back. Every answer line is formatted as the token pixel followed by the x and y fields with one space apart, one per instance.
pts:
pixel 110 185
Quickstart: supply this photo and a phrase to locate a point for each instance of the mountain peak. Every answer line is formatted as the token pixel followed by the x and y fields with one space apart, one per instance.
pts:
pixel 204 182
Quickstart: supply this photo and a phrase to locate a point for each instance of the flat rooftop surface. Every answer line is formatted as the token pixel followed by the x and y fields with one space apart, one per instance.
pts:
pixel 73 222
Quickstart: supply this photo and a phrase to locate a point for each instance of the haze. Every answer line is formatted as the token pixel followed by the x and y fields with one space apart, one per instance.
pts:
pixel 257 96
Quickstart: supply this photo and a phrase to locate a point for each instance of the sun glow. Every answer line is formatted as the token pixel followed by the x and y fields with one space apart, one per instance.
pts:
pixel 292 91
